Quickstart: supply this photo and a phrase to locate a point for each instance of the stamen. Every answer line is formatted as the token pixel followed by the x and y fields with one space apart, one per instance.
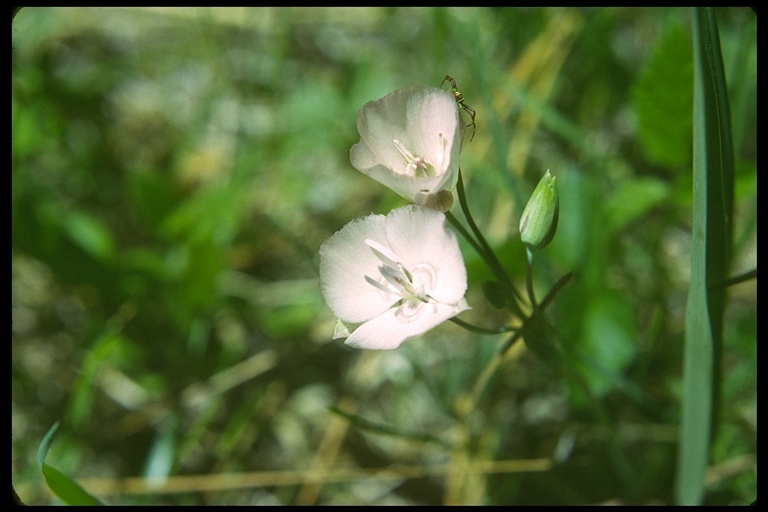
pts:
pixel 419 165
pixel 404 151
pixel 380 286
pixel 383 253
pixel 396 281
pixel 397 278
pixel 442 142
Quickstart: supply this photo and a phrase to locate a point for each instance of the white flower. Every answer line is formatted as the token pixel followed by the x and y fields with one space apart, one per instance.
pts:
pixel 388 279
pixel 410 141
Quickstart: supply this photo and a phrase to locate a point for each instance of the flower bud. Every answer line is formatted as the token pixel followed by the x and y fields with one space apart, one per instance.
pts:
pixel 539 221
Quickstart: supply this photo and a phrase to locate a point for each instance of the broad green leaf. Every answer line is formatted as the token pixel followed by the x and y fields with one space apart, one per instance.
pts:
pixel 607 342
pixel 633 199
pixel 661 100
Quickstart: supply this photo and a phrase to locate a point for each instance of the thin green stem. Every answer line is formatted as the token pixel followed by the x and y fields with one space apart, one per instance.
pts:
pixel 540 310
pixel 529 277
pixel 469 405
pixel 485 250
pixel 463 231
pixel 481 330
pixel 746 276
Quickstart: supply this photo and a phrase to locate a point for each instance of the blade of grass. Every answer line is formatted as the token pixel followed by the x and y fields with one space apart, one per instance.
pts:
pixel 69 491
pixel 380 428
pixel 710 248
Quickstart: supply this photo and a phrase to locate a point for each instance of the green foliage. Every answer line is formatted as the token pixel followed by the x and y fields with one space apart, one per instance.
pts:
pixel 64 487
pixel 633 200
pixel 609 334
pixel 662 97
pixel 710 259
pixel 175 170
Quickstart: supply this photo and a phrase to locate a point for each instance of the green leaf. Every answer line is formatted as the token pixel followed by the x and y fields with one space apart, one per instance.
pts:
pixel 67 489
pixel 160 459
pixel 633 199
pixel 662 97
pixel 91 235
pixel 45 444
pixel 62 486
pixel 608 341
pixel 710 251
pixel 495 293
pixel 81 400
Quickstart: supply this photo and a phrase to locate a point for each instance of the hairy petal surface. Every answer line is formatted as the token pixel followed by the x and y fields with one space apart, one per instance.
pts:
pixel 345 260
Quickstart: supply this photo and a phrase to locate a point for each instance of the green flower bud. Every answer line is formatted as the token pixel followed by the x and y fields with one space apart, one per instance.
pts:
pixel 539 221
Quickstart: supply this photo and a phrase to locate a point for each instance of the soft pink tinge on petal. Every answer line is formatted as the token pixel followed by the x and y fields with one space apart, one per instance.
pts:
pixel 345 260
pixel 389 330
pixel 419 236
pixel 424 121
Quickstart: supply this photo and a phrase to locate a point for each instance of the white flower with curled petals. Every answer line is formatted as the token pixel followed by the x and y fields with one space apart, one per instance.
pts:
pixel 391 278
pixel 410 141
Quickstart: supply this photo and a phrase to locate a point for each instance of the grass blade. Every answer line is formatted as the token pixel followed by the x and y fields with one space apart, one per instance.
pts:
pixel 710 249
pixel 388 430
pixel 69 491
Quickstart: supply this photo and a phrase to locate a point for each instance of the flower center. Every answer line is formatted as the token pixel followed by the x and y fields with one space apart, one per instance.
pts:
pixel 408 289
pixel 419 165
pixel 414 165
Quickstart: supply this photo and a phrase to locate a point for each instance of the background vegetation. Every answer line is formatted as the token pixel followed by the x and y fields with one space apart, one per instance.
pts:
pixel 174 172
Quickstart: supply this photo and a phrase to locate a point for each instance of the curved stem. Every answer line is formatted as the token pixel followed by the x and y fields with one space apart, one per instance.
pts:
pixel 463 231
pixel 485 250
pixel 544 305
pixel 481 330
pixel 470 402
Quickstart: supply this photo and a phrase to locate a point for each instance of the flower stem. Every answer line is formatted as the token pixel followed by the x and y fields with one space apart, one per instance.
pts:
pixel 484 249
pixel 468 404
pixel 481 330
pixel 540 310
pixel 461 229
pixel 529 277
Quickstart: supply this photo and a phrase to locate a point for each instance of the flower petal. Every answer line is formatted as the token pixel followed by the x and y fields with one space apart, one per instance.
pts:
pixel 388 331
pixel 424 121
pixel 419 235
pixel 345 261
pixel 438 129
pixel 396 277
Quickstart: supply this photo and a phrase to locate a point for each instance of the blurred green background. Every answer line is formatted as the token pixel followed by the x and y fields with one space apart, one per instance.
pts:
pixel 175 171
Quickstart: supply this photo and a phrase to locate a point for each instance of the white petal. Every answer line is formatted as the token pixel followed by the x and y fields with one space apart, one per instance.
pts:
pixel 385 254
pixel 406 186
pixel 419 235
pixel 379 123
pixel 388 332
pixel 345 261
pixel 438 130
pixel 426 122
